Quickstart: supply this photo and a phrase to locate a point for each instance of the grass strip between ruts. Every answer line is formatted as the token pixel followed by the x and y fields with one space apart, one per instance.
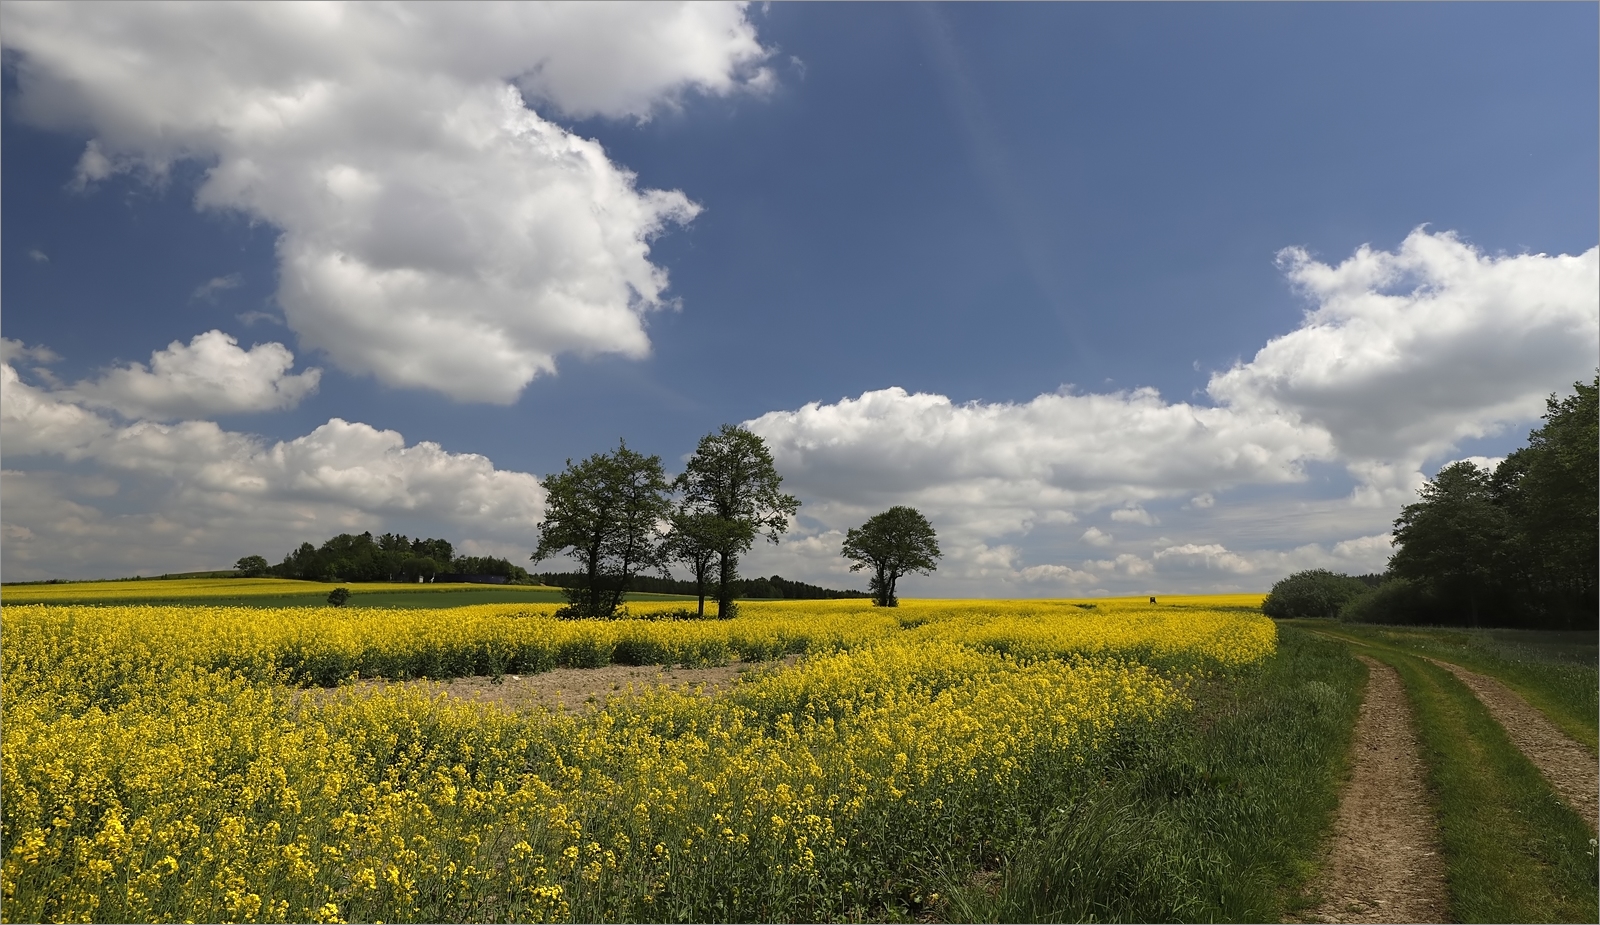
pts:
pixel 1513 851
pixel 1220 821
pixel 1564 693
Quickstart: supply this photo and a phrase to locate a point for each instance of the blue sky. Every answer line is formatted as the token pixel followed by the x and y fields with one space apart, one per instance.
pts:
pixel 1017 215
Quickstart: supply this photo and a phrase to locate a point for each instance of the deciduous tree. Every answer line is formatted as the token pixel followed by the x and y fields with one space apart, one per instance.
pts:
pixel 696 538
pixel 898 542
pixel 731 476
pixel 604 512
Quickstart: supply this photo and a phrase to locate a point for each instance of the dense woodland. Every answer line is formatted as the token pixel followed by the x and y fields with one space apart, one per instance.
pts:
pixel 390 557
pixel 1514 546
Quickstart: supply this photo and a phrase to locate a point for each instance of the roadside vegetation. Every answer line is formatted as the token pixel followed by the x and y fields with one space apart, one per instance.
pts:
pixel 1219 820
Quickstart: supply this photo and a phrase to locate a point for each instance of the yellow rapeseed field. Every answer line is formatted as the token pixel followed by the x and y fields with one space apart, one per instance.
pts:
pixel 161 762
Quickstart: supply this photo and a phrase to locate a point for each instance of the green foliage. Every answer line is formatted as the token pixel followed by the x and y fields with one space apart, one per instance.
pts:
pixel 1313 593
pixel 1398 600
pixel 363 557
pixel 1454 542
pixel 1218 820
pixel 251 567
pixel 898 542
pixel 603 513
pixel 1515 547
pixel 731 478
pixel 338 596
pixel 770 586
pixel 696 538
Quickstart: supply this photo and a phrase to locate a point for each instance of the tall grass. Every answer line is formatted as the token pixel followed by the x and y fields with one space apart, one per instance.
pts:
pixel 1218 819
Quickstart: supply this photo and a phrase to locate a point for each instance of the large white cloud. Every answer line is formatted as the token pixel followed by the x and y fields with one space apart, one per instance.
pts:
pixel 1402 355
pixel 1062 451
pixel 150 496
pixel 436 231
pixel 208 376
pixel 1405 353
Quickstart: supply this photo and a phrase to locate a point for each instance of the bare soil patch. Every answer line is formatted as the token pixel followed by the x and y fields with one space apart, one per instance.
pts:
pixel 1569 767
pixel 1384 863
pixel 583 688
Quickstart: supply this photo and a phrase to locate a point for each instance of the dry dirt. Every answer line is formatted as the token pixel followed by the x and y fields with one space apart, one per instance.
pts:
pixel 1568 766
pixel 581 688
pixel 1384 863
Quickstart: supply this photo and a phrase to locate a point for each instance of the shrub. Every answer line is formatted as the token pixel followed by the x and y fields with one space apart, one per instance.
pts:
pixel 1312 593
pixel 1396 601
pixel 338 596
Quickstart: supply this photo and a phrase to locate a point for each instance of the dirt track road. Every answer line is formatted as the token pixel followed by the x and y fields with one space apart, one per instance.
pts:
pixel 1384 864
pixel 1569 767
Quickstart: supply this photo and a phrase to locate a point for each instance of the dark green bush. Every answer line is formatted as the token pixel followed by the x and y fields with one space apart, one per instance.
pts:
pixel 1396 601
pixel 1313 593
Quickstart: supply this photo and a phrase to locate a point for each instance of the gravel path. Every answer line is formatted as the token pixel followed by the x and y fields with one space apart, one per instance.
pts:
pixel 1384 865
pixel 1569 767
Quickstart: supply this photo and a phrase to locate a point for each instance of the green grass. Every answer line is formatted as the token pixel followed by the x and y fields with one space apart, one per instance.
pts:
pixel 1553 671
pixel 1513 851
pixel 1222 819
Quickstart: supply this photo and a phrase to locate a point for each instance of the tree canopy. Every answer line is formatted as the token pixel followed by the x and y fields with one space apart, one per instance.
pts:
pixel 361 557
pixel 898 542
pixel 731 477
pixel 1312 593
pixel 603 512
pixel 1518 546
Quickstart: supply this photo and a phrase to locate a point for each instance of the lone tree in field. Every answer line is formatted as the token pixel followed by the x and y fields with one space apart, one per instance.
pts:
pixel 731 477
pixel 603 512
pixel 900 541
pixel 251 567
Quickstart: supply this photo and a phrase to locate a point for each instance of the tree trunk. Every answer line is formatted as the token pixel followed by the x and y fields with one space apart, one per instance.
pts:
pixel 594 580
pixel 725 606
pixel 700 584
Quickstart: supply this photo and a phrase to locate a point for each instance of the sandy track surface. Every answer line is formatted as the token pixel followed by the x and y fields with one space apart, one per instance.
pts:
pixel 577 688
pixel 1569 767
pixel 1384 863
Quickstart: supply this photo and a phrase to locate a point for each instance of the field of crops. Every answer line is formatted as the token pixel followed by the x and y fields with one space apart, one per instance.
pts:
pixel 163 762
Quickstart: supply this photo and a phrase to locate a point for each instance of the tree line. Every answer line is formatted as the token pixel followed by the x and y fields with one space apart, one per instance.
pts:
pixel 391 557
pixel 1515 546
pixel 620 519
pixel 772 587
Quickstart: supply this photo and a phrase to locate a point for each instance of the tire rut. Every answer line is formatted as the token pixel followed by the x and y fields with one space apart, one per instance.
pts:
pixel 1569 767
pixel 1384 864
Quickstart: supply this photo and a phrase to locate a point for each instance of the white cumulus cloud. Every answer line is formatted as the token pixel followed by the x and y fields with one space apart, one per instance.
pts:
pixel 192 494
pixel 12 351
pixel 1094 536
pixel 208 376
pixel 436 232
pixel 1402 355
pixel 1405 353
